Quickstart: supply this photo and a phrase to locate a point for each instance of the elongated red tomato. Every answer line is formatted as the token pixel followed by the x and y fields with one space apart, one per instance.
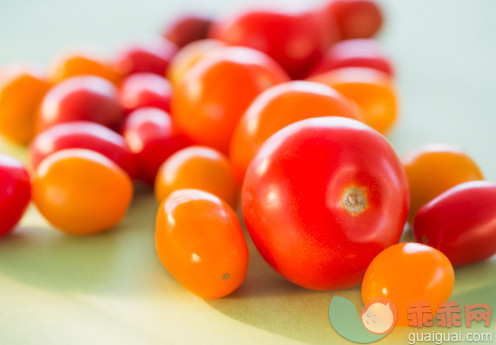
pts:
pixel 460 222
pixel 321 198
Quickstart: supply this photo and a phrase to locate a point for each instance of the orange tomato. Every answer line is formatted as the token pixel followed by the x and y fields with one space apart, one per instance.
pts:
pixel 409 273
pixel 278 107
pixel 81 191
pixel 21 91
pixel 197 167
pixel 76 64
pixel 200 242
pixel 213 95
pixel 370 89
pixel 433 169
pixel 188 56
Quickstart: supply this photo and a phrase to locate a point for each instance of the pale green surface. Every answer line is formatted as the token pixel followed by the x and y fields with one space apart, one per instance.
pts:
pixel 111 289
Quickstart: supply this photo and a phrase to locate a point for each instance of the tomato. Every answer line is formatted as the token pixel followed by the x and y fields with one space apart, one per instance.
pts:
pixel 198 167
pixel 21 91
pixel 354 18
pixel 461 222
pixel 372 90
pixel 188 56
pixel 81 191
pixel 83 135
pixel 200 242
pixel 73 64
pixel 187 28
pixel 151 135
pixel 434 168
pixel 295 39
pixel 15 192
pixel 145 90
pixel 209 101
pixel 354 53
pixel 153 56
pixel 85 98
pixel 278 107
pixel 321 198
pixel 409 273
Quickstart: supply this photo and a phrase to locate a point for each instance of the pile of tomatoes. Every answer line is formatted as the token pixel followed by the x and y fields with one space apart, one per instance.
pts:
pixel 284 107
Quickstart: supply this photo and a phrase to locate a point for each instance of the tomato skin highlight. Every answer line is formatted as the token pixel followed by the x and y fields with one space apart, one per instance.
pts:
pixel 294 199
pixel 461 222
pixel 141 90
pixel 200 242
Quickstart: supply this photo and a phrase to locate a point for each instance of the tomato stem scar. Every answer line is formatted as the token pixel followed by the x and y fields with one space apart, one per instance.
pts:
pixel 226 276
pixel 354 200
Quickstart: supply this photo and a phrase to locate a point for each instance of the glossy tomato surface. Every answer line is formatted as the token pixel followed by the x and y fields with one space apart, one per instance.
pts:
pixel 461 222
pixel 15 192
pixel 322 198
pixel 200 242
pixel 214 94
pixel 278 107
pixel 187 28
pixel 84 98
pixel 81 191
pixel 409 273
pixel 145 90
pixel 152 137
pixel 83 135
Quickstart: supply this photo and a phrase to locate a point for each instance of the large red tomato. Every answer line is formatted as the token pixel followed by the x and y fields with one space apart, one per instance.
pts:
pixel 321 198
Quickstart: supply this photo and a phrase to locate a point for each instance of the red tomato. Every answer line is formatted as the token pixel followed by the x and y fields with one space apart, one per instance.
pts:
pixel 187 28
pixel 322 198
pixel 355 18
pixel 461 222
pixel 151 136
pixel 354 53
pixel 15 192
pixel 145 90
pixel 83 135
pixel 151 56
pixel 295 39
pixel 86 98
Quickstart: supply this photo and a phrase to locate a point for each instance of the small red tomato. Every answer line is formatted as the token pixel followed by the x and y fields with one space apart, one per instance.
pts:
pixel 187 28
pixel 461 222
pixel 151 136
pixel 83 135
pixel 321 198
pixel 354 53
pixel 15 192
pixel 85 98
pixel 355 18
pixel 152 56
pixel 294 39
pixel 145 90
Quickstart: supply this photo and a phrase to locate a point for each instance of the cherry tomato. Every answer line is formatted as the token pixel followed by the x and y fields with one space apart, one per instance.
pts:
pixel 83 135
pixel 200 242
pixel 461 222
pixel 409 273
pixel 354 18
pixel 435 168
pixel 187 28
pixel 15 192
pixel 145 90
pixel 151 135
pixel 188 56
pixel 21 91
pixel 354 53
pixel 85 98
pixel 83 63
pixel 81 191
pixel 322 198
pixel 198 167
pixel 293 38
pixel 151 56
pixel 278 107
pixel 214 94
pixel 370 89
